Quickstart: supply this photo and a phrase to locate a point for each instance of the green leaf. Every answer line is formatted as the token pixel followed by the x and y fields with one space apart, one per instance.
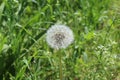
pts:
pixel 89 36
pixel 1 10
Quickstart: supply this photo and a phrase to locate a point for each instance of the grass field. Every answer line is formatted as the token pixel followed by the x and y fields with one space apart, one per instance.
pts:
pixel 94 54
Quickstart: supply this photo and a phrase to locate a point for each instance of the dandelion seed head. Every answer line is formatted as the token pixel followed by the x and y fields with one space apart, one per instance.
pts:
pixel 59 36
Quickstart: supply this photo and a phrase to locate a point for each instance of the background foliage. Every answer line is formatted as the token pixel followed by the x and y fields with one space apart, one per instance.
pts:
pixel 94 55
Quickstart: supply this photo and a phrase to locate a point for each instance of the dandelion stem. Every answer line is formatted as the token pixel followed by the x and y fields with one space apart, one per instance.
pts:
pixel 60 66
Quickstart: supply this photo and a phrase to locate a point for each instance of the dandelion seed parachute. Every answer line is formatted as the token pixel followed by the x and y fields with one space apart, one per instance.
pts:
pixel 59 36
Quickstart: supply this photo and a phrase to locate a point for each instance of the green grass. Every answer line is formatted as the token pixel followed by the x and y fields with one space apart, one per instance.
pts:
pixel 94 54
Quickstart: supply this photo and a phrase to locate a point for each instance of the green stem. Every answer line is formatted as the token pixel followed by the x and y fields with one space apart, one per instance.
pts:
pixel 60 66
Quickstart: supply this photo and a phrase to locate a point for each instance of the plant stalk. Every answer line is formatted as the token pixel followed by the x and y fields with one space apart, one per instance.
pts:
pixel 60 66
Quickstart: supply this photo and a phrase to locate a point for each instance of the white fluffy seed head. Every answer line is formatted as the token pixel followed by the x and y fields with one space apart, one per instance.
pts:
pixel 59 36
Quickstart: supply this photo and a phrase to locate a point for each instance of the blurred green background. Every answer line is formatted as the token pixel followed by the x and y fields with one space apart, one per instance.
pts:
pixel 94 54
